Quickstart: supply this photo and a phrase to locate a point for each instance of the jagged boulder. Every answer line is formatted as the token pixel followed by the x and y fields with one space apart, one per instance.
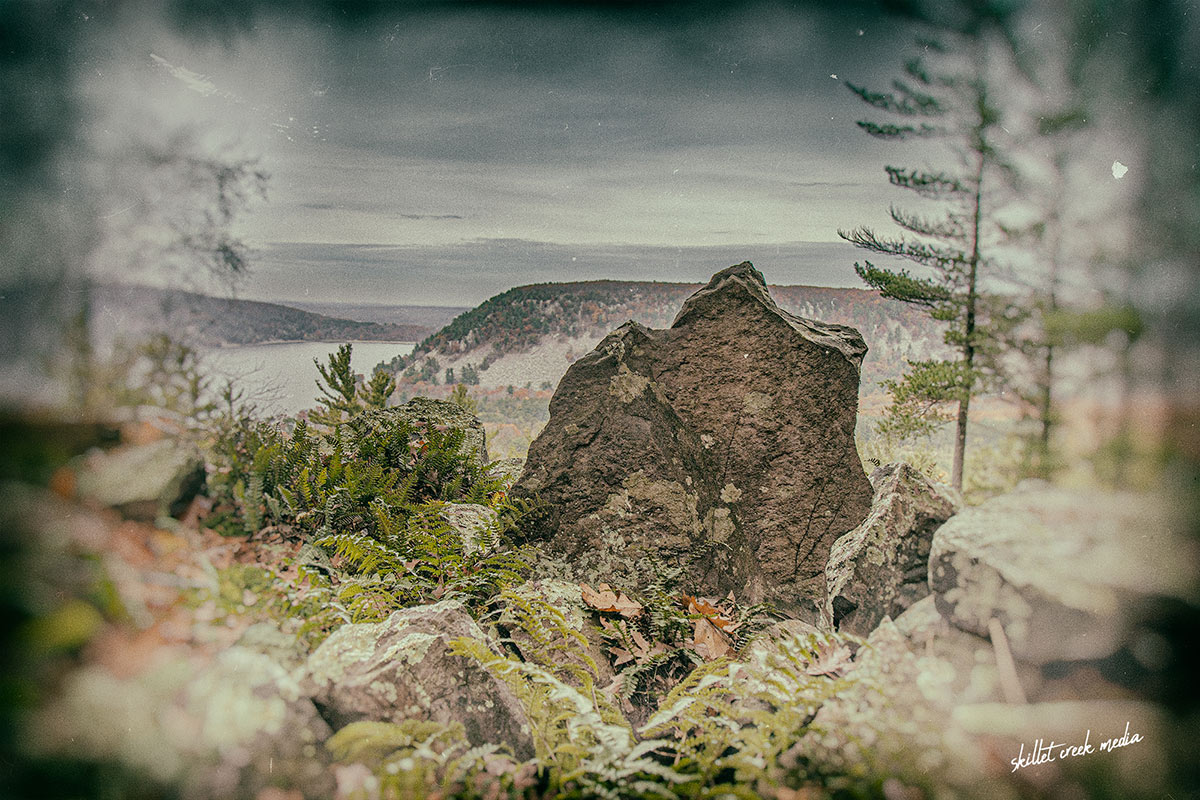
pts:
pixel 1069 575
pixel 142 481
pixel 401 669
pixel 880 568
pixel 725 443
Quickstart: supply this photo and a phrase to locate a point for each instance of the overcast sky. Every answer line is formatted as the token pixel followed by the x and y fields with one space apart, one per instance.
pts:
pixel 440 158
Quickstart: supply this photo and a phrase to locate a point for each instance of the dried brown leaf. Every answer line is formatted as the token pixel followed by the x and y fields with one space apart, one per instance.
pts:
pixel 830 661
pixel 605 598
pixel 706 608
pixel 623 656
pixel 709 642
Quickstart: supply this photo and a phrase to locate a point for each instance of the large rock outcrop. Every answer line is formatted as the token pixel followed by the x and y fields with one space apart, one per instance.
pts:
pixel 880 568
pixel 725 443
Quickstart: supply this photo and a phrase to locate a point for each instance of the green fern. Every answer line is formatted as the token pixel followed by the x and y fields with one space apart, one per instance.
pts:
pixel 584 754
pixel 417 758
pixel 735 719
pixel 252 499
pixel 541 632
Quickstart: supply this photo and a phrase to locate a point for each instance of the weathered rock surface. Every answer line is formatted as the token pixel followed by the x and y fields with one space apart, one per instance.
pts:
pixel 921 704
pixel 1069 575
pixel 143 481
pixel 507 470
pixel 767 640
pixel 725 443
pixel 1128 769
pixel 880 568
pixel 893 715
pixel 968 661
pixel 401 669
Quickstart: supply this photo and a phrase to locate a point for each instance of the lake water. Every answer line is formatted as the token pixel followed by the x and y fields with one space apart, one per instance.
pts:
pixel 281 378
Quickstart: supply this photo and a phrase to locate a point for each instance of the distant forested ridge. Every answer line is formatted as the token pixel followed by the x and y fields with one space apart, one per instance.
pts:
pixel 531 334
pixel 431 318
pixel 127 312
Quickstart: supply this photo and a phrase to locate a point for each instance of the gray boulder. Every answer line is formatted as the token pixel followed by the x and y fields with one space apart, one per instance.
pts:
pixel 229 729
pixel 880 568
pixel 401 668
pixel 725 443
pixel 893 716
pixel 1069 575
pixel 967 661
pixel 143 481
pixel 507 470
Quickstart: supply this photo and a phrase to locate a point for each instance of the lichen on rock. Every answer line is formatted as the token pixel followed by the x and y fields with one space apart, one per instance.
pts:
pixel 1070 575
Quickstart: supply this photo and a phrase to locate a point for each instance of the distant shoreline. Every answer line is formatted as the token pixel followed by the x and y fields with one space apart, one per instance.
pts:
pixel 308 341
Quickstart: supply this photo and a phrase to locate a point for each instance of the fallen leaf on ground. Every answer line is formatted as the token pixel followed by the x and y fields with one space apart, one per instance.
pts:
pixel 832 661
pixel 710 643
pixel 706 608
pixel 623 656
pixel 633 645
pixel 605 598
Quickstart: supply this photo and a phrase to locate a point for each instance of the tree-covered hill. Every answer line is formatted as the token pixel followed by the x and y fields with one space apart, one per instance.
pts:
pixel 120 311
pixel 531 334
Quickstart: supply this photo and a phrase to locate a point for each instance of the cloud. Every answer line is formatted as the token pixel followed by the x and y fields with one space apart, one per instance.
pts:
pixel 555 125
pixel 467 273
pixel 194 81
pixel 481 87
pixel 373 207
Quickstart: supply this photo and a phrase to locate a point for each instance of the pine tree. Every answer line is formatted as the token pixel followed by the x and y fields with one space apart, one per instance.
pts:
pixel 953 106
pixel 339 388
pixel 377 391
pixel 460 398
pixel 1032 325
